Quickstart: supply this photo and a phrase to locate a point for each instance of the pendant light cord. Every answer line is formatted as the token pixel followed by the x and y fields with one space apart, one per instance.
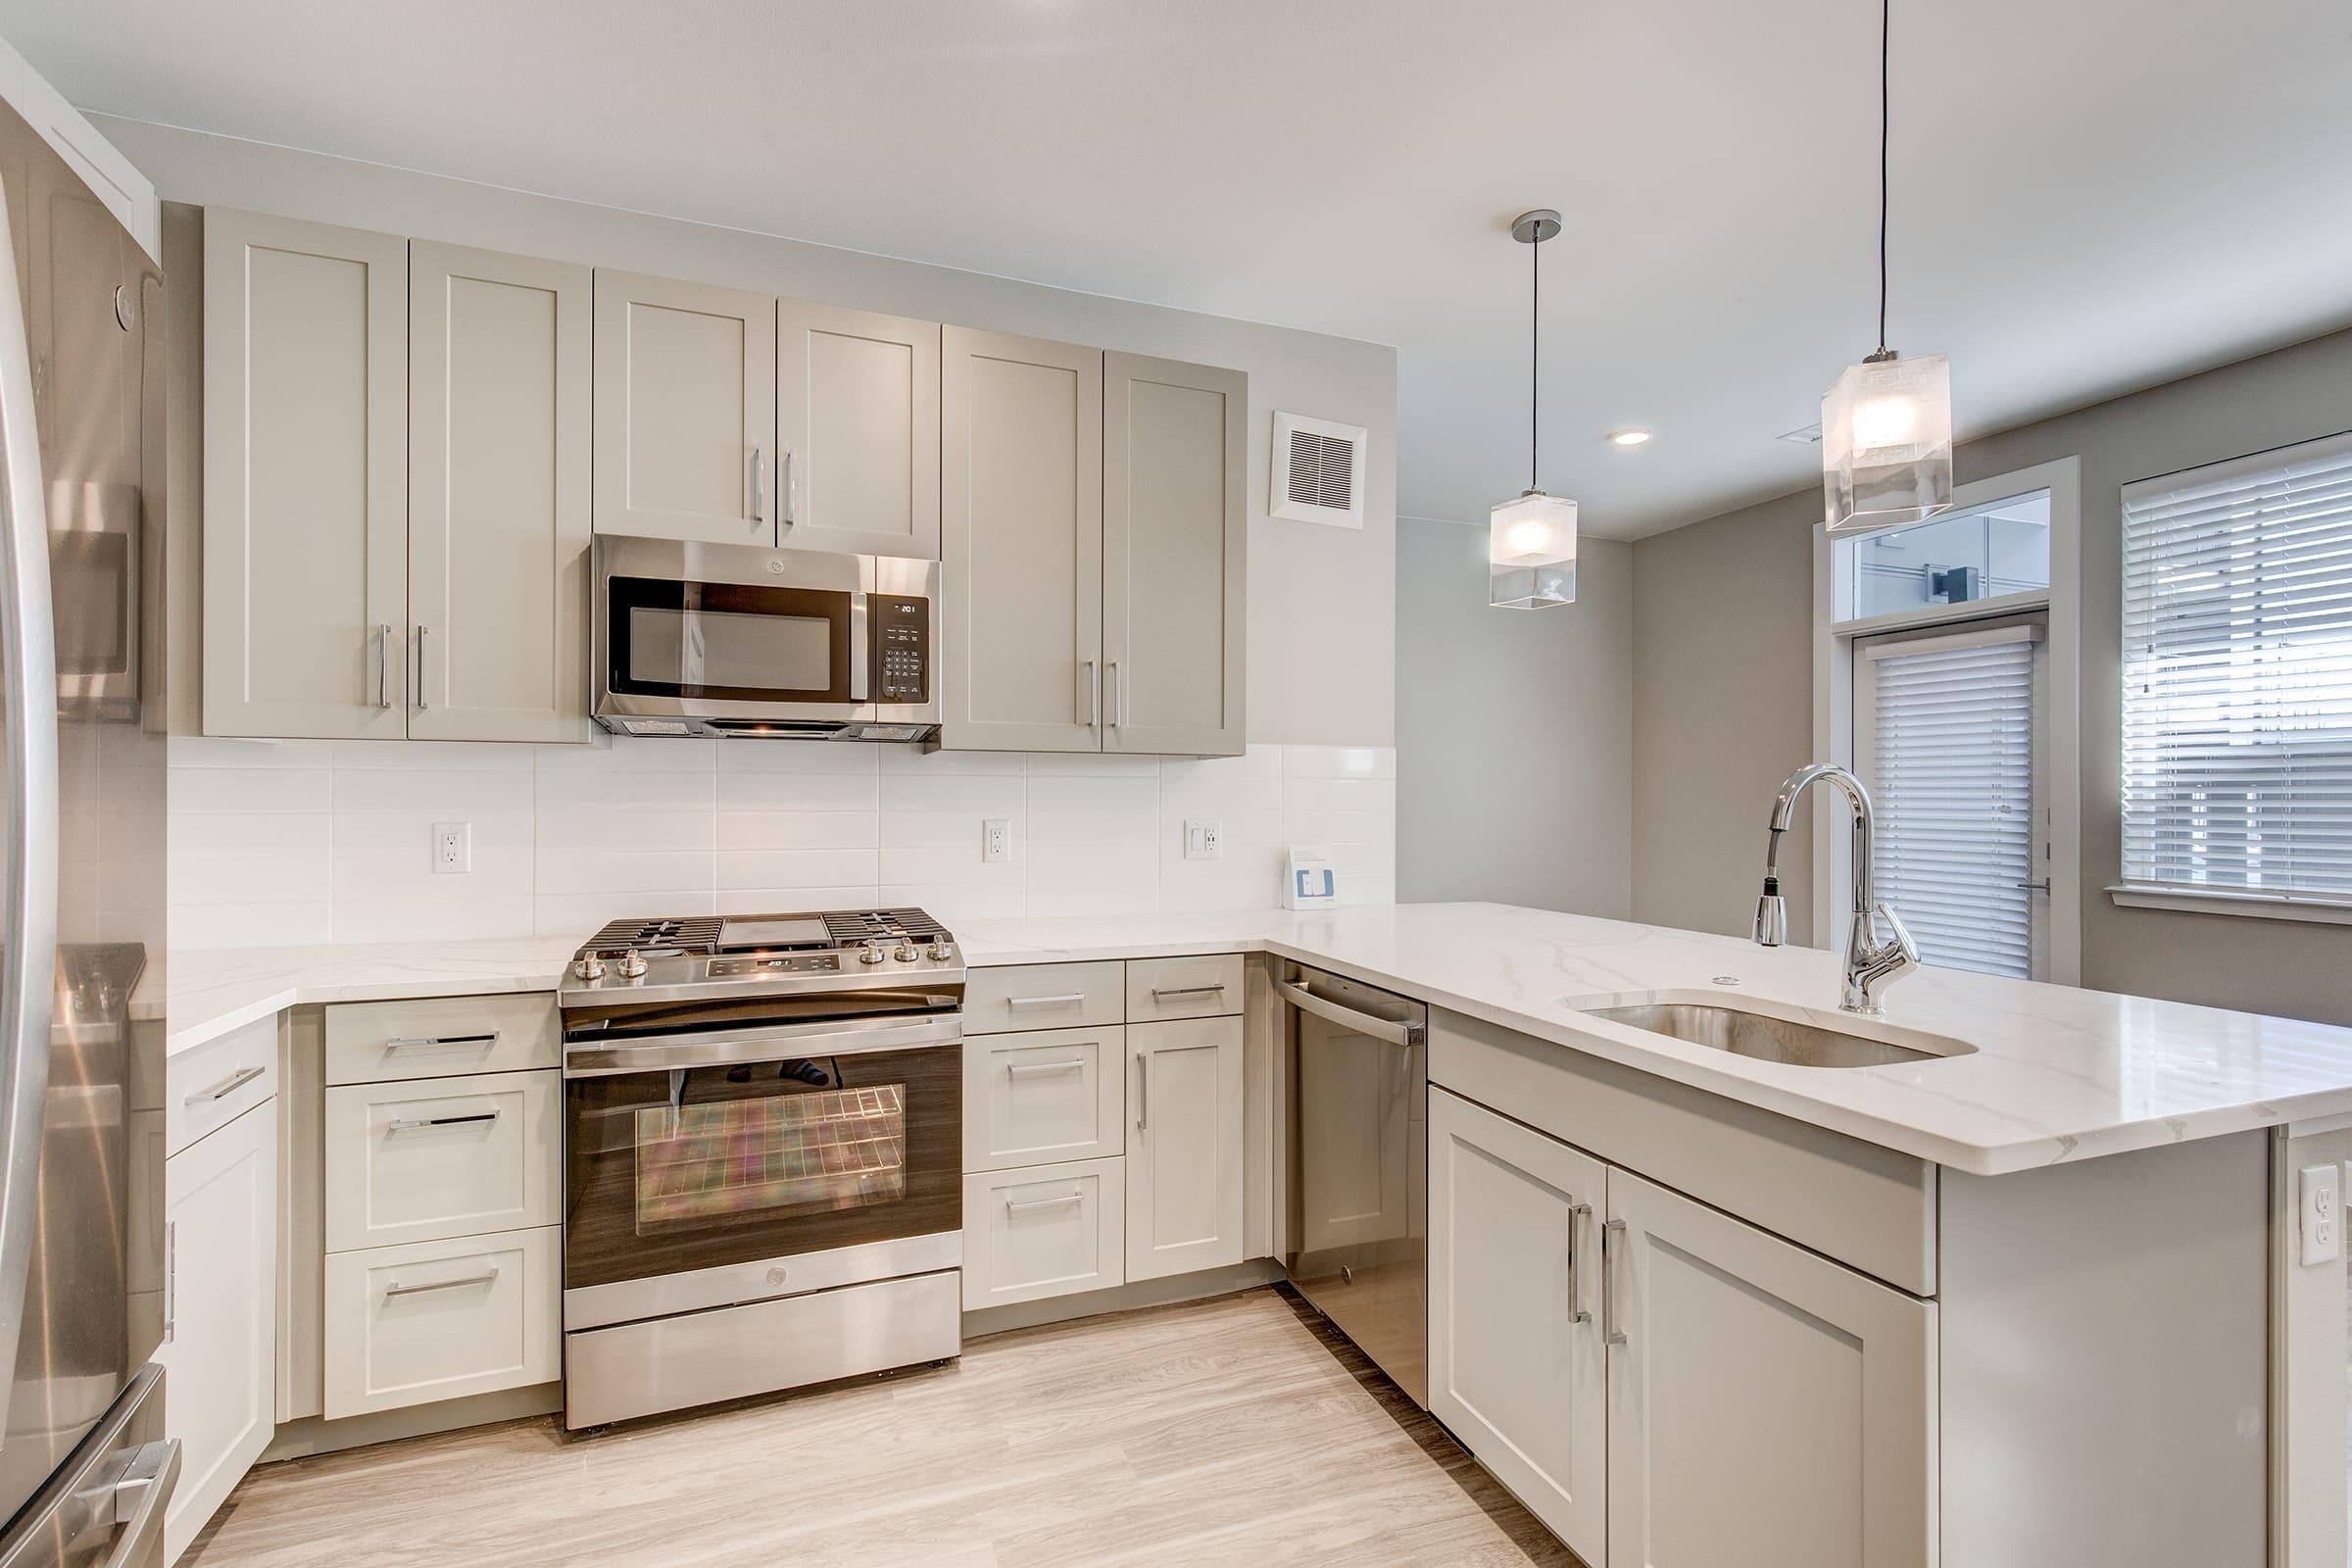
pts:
pixel 1534 356
pixel 1885 79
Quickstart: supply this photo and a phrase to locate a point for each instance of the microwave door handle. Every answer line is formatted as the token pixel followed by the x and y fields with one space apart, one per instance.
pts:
pixel 861 652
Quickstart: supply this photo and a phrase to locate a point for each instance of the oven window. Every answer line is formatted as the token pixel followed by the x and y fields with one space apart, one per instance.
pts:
pixel 693 1168
pixel 745 1160
pixel 731 641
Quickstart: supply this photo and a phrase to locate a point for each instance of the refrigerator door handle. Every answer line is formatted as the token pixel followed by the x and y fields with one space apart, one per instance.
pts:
pixel 142 1496
pixel 29 917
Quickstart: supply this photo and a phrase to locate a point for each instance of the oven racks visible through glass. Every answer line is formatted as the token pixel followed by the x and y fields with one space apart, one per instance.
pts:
pixel 838 1149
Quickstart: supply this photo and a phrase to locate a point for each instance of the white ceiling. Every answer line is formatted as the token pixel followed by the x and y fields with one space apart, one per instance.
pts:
pixel 2090 195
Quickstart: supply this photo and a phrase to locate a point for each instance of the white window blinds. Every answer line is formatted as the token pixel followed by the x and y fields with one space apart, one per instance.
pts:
pixel 2237 677
pixel 1948 732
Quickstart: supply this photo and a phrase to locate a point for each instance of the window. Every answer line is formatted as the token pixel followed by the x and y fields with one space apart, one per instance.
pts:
pixel 2237 678
pixel 1947 738
pixel 1989 551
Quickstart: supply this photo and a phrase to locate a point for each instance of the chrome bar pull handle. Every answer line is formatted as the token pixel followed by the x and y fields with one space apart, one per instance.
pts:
pixel 225 1087
pixel 1160 993
pixel 1012 1208
pixel 421 1042
pixel 1017 1068
pixel 1143 1093
pixel 383 664
pixel 1113 697
pixel 1610 1248
pixel 411 1123
pixel 398 1289
pixel 1066 998
pixel 1576 1294
pixel 420 696
pixel 758 487
pixel 792 507
pixel 1086 692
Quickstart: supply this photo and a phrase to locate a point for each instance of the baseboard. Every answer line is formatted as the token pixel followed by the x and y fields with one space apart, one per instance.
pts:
pixel 1207 1282
pixel 296 1440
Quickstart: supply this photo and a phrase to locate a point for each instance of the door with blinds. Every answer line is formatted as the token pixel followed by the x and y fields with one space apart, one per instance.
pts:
pixel 1950 735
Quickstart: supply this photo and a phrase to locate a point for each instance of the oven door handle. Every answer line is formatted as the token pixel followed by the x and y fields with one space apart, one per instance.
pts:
pixel 721 1047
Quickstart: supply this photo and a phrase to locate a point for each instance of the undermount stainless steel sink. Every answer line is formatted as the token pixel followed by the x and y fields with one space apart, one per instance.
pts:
pixel 1751 1034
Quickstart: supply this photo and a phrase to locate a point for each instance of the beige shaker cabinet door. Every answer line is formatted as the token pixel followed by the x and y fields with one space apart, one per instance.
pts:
pixel 685 409
pixel 1184 1147
pixel 1175 545
pixel 856 432
pixel 1516 1369
pixel 1766 1406
pixel 499 426
pixel 221 1313
pixel 306 381
pixel 1021 529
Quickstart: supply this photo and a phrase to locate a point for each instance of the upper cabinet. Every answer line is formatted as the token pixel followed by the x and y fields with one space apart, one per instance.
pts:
pixel 306 381
pixel 1094 536
pixel 856 432
pixel 685 411
pixel 1174 556
pixel 499 390
pixel 1022 529
pixel 396 487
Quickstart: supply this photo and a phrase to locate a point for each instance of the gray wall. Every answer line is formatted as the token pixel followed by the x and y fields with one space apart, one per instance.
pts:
pixel 1513 780
pixel 1322 647
pixel 1723 687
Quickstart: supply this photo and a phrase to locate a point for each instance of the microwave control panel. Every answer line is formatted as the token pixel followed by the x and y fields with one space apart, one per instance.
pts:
pixel 902 633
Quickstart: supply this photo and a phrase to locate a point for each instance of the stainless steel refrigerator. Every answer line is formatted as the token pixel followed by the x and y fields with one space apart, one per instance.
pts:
pixel 85 1469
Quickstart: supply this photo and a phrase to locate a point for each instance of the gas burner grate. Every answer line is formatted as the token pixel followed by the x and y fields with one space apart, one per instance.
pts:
pixel 882 925
pixel 694 933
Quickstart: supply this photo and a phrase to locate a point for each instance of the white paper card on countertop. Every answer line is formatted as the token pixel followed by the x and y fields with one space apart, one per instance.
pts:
pixel 1309 884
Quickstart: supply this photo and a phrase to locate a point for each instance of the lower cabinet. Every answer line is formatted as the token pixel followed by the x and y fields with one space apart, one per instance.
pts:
pixel 1184 1147
pixel 220 1312
pixel 1737 1397
pixel 1046 1230
pixel 440 1320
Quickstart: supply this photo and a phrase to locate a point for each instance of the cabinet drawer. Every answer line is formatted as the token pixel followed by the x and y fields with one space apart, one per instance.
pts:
pixel 1051 1094
pixel 1184 988
pixel 442 1158
pixel 439 1037
pixel 439 1320
pixel 217 1082
pixel 1043 996
pixel 1051 1230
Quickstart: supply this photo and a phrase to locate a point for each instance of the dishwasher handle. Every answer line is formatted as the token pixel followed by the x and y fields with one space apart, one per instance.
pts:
pixel 1395 1032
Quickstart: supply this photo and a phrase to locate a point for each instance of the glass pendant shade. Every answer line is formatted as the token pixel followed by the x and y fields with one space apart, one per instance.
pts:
pixel 1886 443
pixel 1530 551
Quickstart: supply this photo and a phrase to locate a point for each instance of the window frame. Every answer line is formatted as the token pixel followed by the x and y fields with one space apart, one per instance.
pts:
pixel 1834 737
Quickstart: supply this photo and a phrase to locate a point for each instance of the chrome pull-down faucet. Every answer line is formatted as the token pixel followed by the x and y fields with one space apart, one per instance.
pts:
pixel 1871 964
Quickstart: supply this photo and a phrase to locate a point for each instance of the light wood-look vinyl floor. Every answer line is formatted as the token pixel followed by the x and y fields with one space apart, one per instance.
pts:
pixel 1235 1431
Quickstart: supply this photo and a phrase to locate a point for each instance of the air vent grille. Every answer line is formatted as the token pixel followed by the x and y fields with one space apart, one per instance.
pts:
pixel 1322 469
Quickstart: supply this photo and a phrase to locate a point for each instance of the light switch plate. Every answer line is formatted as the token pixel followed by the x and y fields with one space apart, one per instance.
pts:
pixel 996 840
pixel 1203 839
pixel 453 848
pixel 2320 1205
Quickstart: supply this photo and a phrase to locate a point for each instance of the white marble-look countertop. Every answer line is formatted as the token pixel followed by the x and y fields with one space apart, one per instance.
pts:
pixel 2057 1073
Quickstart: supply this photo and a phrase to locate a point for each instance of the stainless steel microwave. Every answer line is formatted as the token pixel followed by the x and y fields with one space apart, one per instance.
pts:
pixel 740 640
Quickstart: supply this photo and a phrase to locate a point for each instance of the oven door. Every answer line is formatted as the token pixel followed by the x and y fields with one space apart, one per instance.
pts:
pixel 695 1186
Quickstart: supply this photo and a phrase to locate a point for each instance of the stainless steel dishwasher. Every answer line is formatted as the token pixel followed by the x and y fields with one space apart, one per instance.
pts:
pixel 1357 1235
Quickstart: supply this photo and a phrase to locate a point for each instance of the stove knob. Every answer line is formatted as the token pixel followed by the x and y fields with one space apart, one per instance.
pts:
pixel 589 966
pixel 938 950
pixel 906 952
pixel 872 953
pixel 632 964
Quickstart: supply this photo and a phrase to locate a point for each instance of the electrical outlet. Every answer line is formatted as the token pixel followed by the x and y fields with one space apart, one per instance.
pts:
pixel 1203 839
pixel 453 848
pixel 2322 1224
pixel 996 840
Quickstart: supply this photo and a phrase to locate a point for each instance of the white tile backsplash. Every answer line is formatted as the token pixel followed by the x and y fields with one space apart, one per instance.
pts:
pixel 300 842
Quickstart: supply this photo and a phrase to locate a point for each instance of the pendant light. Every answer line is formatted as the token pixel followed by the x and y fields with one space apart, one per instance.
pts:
pixel 1886 425
pixel 1531 538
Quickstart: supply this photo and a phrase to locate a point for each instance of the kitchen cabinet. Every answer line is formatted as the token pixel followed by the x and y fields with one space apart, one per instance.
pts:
pixel 685 409
pixel 427 1321
pixel 1046 1230
pixel 1174 556
pixel 1094 534
pixel 1051 1094
pixel 1184 1147
pixel 1022 533
pixel 499 393
pixel 1517 1367
pixel 1766 1406
pixel 442 1158
pixel 220 1312
pixel 305 478
pixel 857 431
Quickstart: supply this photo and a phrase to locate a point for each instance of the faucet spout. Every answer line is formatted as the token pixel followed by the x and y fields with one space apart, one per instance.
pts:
pixel 1871 962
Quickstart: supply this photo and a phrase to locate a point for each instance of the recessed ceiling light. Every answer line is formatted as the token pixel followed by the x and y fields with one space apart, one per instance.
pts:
pixel 1629 438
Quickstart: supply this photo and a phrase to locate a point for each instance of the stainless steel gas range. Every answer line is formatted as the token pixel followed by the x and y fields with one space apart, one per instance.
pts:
pixel 763 1146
